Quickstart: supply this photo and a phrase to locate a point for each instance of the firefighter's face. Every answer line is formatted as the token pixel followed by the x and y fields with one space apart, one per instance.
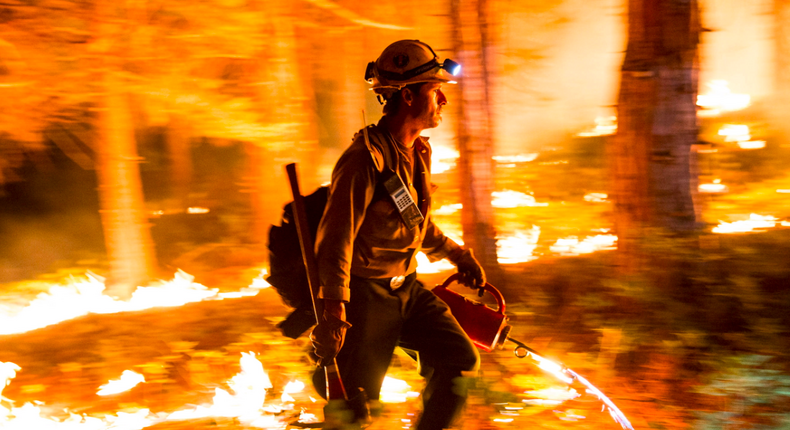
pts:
pixel 429 103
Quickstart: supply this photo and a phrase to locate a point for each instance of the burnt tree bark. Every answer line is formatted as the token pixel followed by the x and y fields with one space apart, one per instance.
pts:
pixel 473 42
pixel 651 158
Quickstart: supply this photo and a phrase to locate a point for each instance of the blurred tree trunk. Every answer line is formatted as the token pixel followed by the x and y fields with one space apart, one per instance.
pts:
pixel 650 156
pixel 284 102
pixel 179 152
pixel 472 40
pixel 124 219
pixel 781 107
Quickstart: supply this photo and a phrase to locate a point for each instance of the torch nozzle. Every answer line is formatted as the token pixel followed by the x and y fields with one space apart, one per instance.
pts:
pixel 559 370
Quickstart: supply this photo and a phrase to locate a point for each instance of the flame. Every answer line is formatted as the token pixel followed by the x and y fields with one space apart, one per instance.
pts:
pixel 396 391
pixel 448 209
pixel 720 99
pixel 245 404
pixel 715 187
pixel 604 126
pixel 555 369
pixel 554 393
pixel 754 223
pixel 190 210
pixel 514 199
pixel 424 265
pixel 294 387
pixel 572 246
pixel 735 132
pixel 519 158
pixel 291 387
pixel 568 376
pixel 29 417
pixel 249 386
pixel 752 144
pixel 7 373
pixel 519 247
pixel 596 197
pixel 616 414
pixel 129 380
pixel 260 281
pixel 80 297
pixel 443 159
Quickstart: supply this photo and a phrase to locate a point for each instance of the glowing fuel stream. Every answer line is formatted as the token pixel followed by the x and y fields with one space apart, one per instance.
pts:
pixel 567 375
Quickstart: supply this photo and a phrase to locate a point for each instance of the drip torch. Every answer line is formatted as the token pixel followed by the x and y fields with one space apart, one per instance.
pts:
pixel 488 329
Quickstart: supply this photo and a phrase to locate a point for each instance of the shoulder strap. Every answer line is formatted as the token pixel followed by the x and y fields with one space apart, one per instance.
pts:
pixel 383 147
pixel 370 148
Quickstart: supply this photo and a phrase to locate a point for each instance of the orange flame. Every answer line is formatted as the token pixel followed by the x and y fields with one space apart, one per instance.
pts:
pixel 80 297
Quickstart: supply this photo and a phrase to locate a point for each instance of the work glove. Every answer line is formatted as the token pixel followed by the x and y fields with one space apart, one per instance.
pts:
pixel 328 337
pixel 472 273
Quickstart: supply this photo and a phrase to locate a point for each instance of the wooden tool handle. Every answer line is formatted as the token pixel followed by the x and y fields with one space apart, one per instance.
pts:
pixel 334 384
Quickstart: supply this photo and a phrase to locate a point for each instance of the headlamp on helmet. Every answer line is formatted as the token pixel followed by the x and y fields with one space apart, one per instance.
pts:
pixel 408 62
pixel 452 67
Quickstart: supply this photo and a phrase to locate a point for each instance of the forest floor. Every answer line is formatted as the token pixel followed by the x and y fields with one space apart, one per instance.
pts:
pixel 698 353
pixel 186 352
pixel 697 340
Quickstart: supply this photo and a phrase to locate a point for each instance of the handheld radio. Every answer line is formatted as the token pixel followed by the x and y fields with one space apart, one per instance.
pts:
pixel 397 190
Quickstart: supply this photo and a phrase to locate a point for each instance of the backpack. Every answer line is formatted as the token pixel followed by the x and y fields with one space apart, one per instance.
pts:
pixel 287 272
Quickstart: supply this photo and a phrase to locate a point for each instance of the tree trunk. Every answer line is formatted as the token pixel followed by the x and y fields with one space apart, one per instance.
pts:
pixel 124 219
pixel 472 40
pixel 781 107
pixel 650 156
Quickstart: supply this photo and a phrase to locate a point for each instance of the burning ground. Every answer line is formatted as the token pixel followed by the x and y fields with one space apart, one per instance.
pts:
pixel 675 357
pixel 192 361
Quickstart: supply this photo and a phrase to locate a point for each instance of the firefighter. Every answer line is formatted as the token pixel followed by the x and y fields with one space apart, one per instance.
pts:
pixel 366 247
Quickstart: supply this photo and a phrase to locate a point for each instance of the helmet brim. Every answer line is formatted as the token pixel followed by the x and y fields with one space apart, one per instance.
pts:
pixel 436 75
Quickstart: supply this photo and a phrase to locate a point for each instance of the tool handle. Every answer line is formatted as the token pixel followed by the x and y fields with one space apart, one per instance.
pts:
pixel 487 287
pixel 334 384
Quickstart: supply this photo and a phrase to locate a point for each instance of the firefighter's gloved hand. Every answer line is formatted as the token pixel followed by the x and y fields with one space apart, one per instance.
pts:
pixel 328 337
pixel 472 273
